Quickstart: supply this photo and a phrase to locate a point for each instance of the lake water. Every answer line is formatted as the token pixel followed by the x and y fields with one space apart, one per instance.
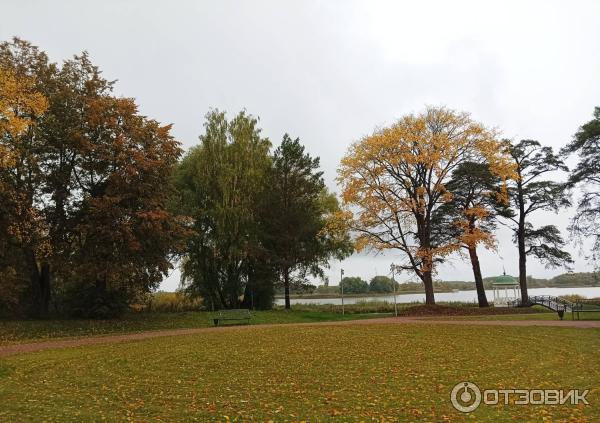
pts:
pixel 458 296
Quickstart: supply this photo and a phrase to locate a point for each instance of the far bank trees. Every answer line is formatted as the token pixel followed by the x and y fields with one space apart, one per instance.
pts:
pixel 354 285
pixel 382 284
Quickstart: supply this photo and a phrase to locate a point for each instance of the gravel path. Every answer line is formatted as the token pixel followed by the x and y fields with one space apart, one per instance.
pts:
pixel 15 349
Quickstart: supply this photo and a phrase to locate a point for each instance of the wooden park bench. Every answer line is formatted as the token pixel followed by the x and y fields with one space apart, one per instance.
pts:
pixel 233 315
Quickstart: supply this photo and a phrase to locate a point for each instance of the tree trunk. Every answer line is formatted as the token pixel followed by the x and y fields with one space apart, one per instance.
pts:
pixel 34 275
pixel 286 286
pixel 248 301
pixel 427 279
pixel 522 252
pixel 44 288
pixel 232 287
pixel 40 285
pixel 221 298
pixel 522 266
pixel 481 298
pixel 101 284
pixel 426 268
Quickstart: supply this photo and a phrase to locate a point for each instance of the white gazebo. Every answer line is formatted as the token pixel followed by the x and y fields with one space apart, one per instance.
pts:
pixel 506 289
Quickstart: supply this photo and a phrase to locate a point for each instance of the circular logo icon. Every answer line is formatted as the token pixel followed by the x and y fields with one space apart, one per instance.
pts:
pixel 465 397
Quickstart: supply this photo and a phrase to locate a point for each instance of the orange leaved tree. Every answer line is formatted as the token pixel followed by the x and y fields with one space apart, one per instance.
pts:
pixel 394 180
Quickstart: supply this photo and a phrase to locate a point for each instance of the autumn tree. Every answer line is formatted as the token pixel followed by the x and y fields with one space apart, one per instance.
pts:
pixel 92 171
pixel 586 174
pixel 22 178
pixel 395 179
pixel 469 218
pixel 298 217
pixel 529 193
pixel 123 217
pixel 20 107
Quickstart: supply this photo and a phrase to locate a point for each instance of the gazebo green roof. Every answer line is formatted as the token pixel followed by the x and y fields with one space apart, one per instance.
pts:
pixel 505 280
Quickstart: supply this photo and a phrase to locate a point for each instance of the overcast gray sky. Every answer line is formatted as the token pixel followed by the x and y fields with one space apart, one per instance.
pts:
pixel 330 72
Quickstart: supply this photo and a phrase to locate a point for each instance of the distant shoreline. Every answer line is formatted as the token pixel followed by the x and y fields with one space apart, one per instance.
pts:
pixel 338 295
pixel 412 292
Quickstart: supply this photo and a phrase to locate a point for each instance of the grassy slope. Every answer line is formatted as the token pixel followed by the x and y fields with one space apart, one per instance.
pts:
pixel 18 331
pixel 391 373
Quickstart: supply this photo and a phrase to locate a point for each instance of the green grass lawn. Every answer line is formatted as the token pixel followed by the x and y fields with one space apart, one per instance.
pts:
pixel 354 373
pixel 18 331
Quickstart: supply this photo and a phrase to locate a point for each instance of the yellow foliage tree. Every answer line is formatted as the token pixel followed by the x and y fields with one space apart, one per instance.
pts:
pixel 394 180
pixel 20 105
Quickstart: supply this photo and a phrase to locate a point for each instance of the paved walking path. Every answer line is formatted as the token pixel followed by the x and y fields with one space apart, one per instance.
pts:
pixel 15 349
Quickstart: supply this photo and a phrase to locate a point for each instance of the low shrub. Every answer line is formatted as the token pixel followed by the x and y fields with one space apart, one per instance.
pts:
pixel 172 302
pixel 573 298
pixel 92 303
